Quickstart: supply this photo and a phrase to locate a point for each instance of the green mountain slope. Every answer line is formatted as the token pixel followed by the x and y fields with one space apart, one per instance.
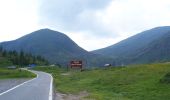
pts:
pixel 4 62
pixel 141 47
pixel 157 51
pixel 54 46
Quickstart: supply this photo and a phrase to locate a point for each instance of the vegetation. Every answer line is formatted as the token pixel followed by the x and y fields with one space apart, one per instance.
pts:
pixel 150 46
pixel 19 58
pixel 137 82
pixel 166 78
pixel 15 73
pixel 56 47
pixel 9 58
pixel 4 62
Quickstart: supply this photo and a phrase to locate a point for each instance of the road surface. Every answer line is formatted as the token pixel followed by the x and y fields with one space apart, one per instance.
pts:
pixel 6 84
pixel 39 88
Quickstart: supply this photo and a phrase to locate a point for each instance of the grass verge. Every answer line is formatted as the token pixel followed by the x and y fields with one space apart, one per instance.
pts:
pixel 15 73
pixel 137 82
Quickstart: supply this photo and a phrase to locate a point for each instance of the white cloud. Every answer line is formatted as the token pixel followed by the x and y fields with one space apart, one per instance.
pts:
pixel 73 15
pixel 92 24
pixel 17 18
pixel 91 42
pixel 127 17
pixel 118 19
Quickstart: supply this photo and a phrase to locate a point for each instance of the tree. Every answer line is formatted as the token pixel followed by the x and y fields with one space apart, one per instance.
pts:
pixel 4 53
pixel 1 49
pixel 21 58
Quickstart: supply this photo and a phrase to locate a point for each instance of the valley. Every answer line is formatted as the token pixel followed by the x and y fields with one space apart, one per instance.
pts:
pixel 150 46
pixel 138 66
pixel 85 50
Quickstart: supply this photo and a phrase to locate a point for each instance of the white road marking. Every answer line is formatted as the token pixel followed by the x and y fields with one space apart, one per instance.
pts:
pixel 51 89
pixel 18 85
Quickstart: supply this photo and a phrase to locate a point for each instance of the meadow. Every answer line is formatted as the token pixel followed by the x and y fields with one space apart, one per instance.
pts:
pixel 135 82
pixel 6 73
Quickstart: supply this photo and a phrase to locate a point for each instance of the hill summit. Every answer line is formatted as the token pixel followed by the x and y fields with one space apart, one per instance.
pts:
pixel 54 46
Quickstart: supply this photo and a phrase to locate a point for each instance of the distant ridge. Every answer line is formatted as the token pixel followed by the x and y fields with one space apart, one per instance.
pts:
pixel 54 46
pixel 146 47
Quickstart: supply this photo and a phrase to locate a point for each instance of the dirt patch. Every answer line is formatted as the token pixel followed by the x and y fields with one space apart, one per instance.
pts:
pixel 79 96
pixel 65 74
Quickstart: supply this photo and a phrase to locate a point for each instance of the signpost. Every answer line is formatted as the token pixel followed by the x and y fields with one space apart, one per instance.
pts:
pixel 76 64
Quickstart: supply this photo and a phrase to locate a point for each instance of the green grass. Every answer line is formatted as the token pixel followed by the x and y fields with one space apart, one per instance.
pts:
pixel 15 73
pixel 4 62
pixel 137 82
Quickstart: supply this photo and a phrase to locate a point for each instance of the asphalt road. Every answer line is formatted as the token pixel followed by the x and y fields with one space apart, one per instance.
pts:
pixel 39 88
pixel 6 84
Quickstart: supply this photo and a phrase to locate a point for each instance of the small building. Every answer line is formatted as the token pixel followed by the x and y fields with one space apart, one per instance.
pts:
pixel 52 65
pixel 11 67
pixel 32 65
pixel 107 65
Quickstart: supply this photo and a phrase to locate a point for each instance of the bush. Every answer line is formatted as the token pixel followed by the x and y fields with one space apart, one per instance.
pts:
pixel 166 78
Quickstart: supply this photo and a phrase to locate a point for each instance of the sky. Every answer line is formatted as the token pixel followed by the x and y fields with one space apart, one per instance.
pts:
pixel 92 24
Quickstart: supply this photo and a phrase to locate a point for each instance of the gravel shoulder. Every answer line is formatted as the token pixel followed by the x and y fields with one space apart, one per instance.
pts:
pixel 6 84
pixel 79 96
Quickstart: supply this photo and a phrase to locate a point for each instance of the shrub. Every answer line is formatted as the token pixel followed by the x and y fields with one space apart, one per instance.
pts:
pixel 166 78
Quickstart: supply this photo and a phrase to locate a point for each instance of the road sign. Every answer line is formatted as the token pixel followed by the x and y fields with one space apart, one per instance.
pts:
pixel 76 64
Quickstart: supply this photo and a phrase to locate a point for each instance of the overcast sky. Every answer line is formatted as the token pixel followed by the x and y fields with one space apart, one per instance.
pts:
pixel 92 24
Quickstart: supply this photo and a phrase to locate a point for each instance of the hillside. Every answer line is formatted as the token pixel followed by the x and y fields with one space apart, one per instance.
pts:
pixel 157 51
pixel 54 46
pixel 138 82
pixel 4 62
pixel 140 48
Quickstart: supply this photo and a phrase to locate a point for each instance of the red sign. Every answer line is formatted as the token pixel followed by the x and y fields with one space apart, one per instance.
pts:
pixel 77 64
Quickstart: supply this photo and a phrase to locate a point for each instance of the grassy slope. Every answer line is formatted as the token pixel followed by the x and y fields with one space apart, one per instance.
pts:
pixel 10 73
pixel 6 73
pixel 4 62
pixel 139 82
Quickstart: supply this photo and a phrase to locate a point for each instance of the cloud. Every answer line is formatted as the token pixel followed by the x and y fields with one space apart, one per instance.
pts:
pixel 74 15
pixel 128 17
pixel 105 16
pixel 103 20
pixel 92 24
pixel 17 18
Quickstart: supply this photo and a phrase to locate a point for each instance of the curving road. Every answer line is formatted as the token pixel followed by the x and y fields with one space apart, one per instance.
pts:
pixel 39 88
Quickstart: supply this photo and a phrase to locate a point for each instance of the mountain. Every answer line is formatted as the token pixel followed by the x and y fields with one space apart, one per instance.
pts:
pixel 157 51
pixel 146 47
pixel 4 62
pixel 54 46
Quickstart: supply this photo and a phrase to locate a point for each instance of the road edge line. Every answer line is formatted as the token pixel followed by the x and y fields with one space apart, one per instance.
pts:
pixel 51 88
pixel 19 85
